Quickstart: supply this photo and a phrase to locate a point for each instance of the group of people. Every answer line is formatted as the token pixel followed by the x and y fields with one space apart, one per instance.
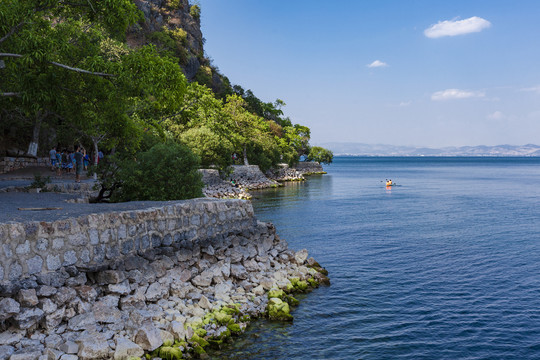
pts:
pixel 68 161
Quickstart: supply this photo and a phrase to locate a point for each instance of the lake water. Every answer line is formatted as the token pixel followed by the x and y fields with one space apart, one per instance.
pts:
pixel 444 266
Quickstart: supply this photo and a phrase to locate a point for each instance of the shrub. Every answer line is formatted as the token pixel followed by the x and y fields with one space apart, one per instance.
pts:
pixel 165 172
pixel 39 181
pixel 195 12
pixel 171 43
pixel 204 76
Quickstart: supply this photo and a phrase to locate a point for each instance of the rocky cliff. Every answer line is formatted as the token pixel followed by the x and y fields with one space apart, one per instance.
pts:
pixel 174 26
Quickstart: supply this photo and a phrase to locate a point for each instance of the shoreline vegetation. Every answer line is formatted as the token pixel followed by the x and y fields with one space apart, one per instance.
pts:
pixel 130 97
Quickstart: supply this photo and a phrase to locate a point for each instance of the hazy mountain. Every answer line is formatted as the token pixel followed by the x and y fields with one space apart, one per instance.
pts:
pixel 391 150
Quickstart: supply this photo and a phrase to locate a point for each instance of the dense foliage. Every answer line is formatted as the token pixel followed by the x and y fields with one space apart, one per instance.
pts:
pixel 165 172
pixel 68 77
pixel 321 155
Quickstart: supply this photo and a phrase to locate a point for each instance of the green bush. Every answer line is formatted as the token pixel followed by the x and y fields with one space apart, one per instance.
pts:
pixel 165 172
pixel 171 43
pixel 204 76
pixel 39 181
pixel 195 12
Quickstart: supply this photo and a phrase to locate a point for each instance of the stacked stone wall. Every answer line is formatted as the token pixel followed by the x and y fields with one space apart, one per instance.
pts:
pixel 8 164
pixel 95 240
pixel 250 177
pixel 163 281
pixel 309 167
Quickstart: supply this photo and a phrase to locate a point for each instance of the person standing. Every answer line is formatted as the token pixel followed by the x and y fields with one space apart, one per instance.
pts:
pixel 52 158
pixel 78 157
pixel 86 160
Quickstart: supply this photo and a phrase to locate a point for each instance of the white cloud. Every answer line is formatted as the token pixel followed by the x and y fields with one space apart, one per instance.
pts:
pixel 457 27
pixel 449 94
pixel 405 103
pixel 535 89
pixel 497 115
pixel 377 63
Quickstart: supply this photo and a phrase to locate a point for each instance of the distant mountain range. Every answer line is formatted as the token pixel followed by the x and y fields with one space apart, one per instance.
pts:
pixel 391 150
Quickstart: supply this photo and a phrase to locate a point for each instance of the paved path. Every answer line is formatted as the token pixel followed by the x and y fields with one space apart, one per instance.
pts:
pixel 24 177
pixel 10 202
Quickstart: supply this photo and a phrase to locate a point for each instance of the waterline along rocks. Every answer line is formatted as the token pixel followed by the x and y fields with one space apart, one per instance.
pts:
pixel 166 282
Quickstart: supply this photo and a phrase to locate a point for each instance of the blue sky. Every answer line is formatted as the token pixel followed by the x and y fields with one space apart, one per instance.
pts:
pixel 472 79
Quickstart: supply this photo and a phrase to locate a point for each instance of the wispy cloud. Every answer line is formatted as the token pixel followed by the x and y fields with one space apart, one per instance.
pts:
pixel 457 27
pixel 405 103
pixel 450 94
pixel 535 89
pixel 497 115
pixel 376 64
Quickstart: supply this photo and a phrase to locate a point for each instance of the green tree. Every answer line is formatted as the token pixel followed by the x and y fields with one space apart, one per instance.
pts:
pixel 209 146
pixel 43 43
pixel 321 155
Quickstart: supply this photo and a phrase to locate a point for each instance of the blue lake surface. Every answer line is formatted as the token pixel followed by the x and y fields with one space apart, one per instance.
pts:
pixel 444 266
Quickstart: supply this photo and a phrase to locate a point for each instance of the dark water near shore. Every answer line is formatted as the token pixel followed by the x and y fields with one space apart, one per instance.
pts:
pixel 445 266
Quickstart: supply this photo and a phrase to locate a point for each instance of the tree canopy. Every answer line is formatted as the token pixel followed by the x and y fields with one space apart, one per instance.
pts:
pixel 67 76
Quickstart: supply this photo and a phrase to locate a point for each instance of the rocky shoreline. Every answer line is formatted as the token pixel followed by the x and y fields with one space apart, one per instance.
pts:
pixel 182 295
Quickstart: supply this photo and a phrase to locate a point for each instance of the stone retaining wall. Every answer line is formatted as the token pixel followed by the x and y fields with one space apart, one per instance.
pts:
pixel 309 167
pixel 170 282
pixel 93 241
pixel 251 177
pixel 8 164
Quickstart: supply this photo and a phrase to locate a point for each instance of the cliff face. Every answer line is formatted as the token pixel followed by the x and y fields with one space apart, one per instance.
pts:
pixel 166 17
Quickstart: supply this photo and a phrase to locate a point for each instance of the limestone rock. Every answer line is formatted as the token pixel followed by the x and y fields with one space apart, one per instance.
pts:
pixel 93 346
pixel 239 271
pixel 28 297
pixel 46 291
pixel 64 295
pixel 82 322
pixel 155 292
pixel 8 308
pixel 301 256
pixel 126 348
pixel 10 337
pixel 69 347
pixel 177 329
pixel 26 354
pixel 204 279
pixel 149 338
pixel 48 306
pixel 86 293
pixel 6 351
pixel 111 277
pixel 258 290
pixel 205 303
pixel 104 313
pixel 121 288
pixel 68 357
pixel 29 317
pixel 54 319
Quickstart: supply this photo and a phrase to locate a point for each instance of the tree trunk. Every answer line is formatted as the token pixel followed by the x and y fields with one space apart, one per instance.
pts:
pixel 33 147
pixel 95 141
pixel 245 156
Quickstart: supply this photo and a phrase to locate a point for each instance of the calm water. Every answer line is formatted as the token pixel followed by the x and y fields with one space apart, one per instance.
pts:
pixel 445 266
